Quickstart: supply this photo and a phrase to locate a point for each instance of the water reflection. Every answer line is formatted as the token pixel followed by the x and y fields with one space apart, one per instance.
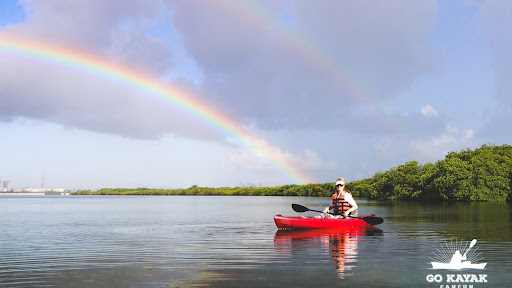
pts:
pixel 153 242
pixel 340 245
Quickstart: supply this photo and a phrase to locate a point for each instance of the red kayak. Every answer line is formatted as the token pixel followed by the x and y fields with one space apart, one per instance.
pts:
pixel 283 222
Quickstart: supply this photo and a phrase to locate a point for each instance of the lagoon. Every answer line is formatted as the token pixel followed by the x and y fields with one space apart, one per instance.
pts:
pixel 231 241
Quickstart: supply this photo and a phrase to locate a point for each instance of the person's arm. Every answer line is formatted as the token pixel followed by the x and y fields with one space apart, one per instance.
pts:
pixel 352 202
pixel 353 208
pixel 326 210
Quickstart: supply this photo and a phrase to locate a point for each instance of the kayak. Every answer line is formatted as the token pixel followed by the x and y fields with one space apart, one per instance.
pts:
pixel 459 266
pixel 283 222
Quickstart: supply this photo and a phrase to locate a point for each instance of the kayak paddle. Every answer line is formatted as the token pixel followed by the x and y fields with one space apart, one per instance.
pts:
pixel 368 219
pixel 470 245
pixel 300 209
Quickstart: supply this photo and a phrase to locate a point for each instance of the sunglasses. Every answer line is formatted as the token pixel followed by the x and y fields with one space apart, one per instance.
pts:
pixel 339 185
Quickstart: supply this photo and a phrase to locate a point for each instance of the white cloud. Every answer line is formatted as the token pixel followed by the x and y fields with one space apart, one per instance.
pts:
pixel 429 111
pixel 247 158
pixel 435 148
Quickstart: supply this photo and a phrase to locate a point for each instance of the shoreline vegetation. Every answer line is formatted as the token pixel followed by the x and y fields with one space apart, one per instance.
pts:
pixel 483 174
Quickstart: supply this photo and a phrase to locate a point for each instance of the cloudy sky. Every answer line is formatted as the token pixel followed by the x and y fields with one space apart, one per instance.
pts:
pixel 263 92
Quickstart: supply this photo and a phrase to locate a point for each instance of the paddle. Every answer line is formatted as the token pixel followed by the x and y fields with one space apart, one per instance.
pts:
pixel 370 220
pixel 300 209
pixel 470 245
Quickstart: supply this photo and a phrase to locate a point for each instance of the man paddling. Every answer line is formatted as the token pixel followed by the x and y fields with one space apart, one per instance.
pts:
pixel 342 203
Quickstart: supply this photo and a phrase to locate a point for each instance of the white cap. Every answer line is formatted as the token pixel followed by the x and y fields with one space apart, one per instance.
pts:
pixel 340 182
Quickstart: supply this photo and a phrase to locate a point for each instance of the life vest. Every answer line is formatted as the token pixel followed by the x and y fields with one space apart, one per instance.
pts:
pixel 339 204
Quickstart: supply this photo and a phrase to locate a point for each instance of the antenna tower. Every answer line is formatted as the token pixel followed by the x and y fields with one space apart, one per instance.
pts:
pixel 42 179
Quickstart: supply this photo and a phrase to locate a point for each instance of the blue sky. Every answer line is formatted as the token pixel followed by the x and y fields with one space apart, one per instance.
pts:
pixel 342 89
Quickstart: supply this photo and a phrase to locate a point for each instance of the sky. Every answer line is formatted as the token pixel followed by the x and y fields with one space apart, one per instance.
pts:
pixel 175 93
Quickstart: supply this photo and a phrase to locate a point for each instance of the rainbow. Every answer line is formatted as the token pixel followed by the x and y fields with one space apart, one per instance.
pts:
pixel 307 49
pixel 99 67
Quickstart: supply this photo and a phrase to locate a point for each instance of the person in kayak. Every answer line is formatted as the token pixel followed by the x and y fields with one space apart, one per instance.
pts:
pixel 343 204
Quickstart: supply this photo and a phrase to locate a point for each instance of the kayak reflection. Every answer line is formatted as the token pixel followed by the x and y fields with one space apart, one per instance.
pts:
pixel 341 245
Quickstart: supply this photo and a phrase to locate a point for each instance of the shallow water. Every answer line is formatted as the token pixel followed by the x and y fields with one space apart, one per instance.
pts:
pixel 216 241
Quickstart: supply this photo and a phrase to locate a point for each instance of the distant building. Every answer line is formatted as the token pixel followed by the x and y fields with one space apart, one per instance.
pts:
pixel 43 190
pixel 7 185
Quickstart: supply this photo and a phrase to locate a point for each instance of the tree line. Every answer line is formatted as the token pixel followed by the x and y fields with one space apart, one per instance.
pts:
pixel 312 190
pixel 483 174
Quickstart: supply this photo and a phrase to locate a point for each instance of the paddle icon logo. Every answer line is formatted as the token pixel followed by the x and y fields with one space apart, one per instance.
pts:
pixel 450 256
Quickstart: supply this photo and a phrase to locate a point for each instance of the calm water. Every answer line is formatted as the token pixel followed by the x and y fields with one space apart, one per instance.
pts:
pixel 182 241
